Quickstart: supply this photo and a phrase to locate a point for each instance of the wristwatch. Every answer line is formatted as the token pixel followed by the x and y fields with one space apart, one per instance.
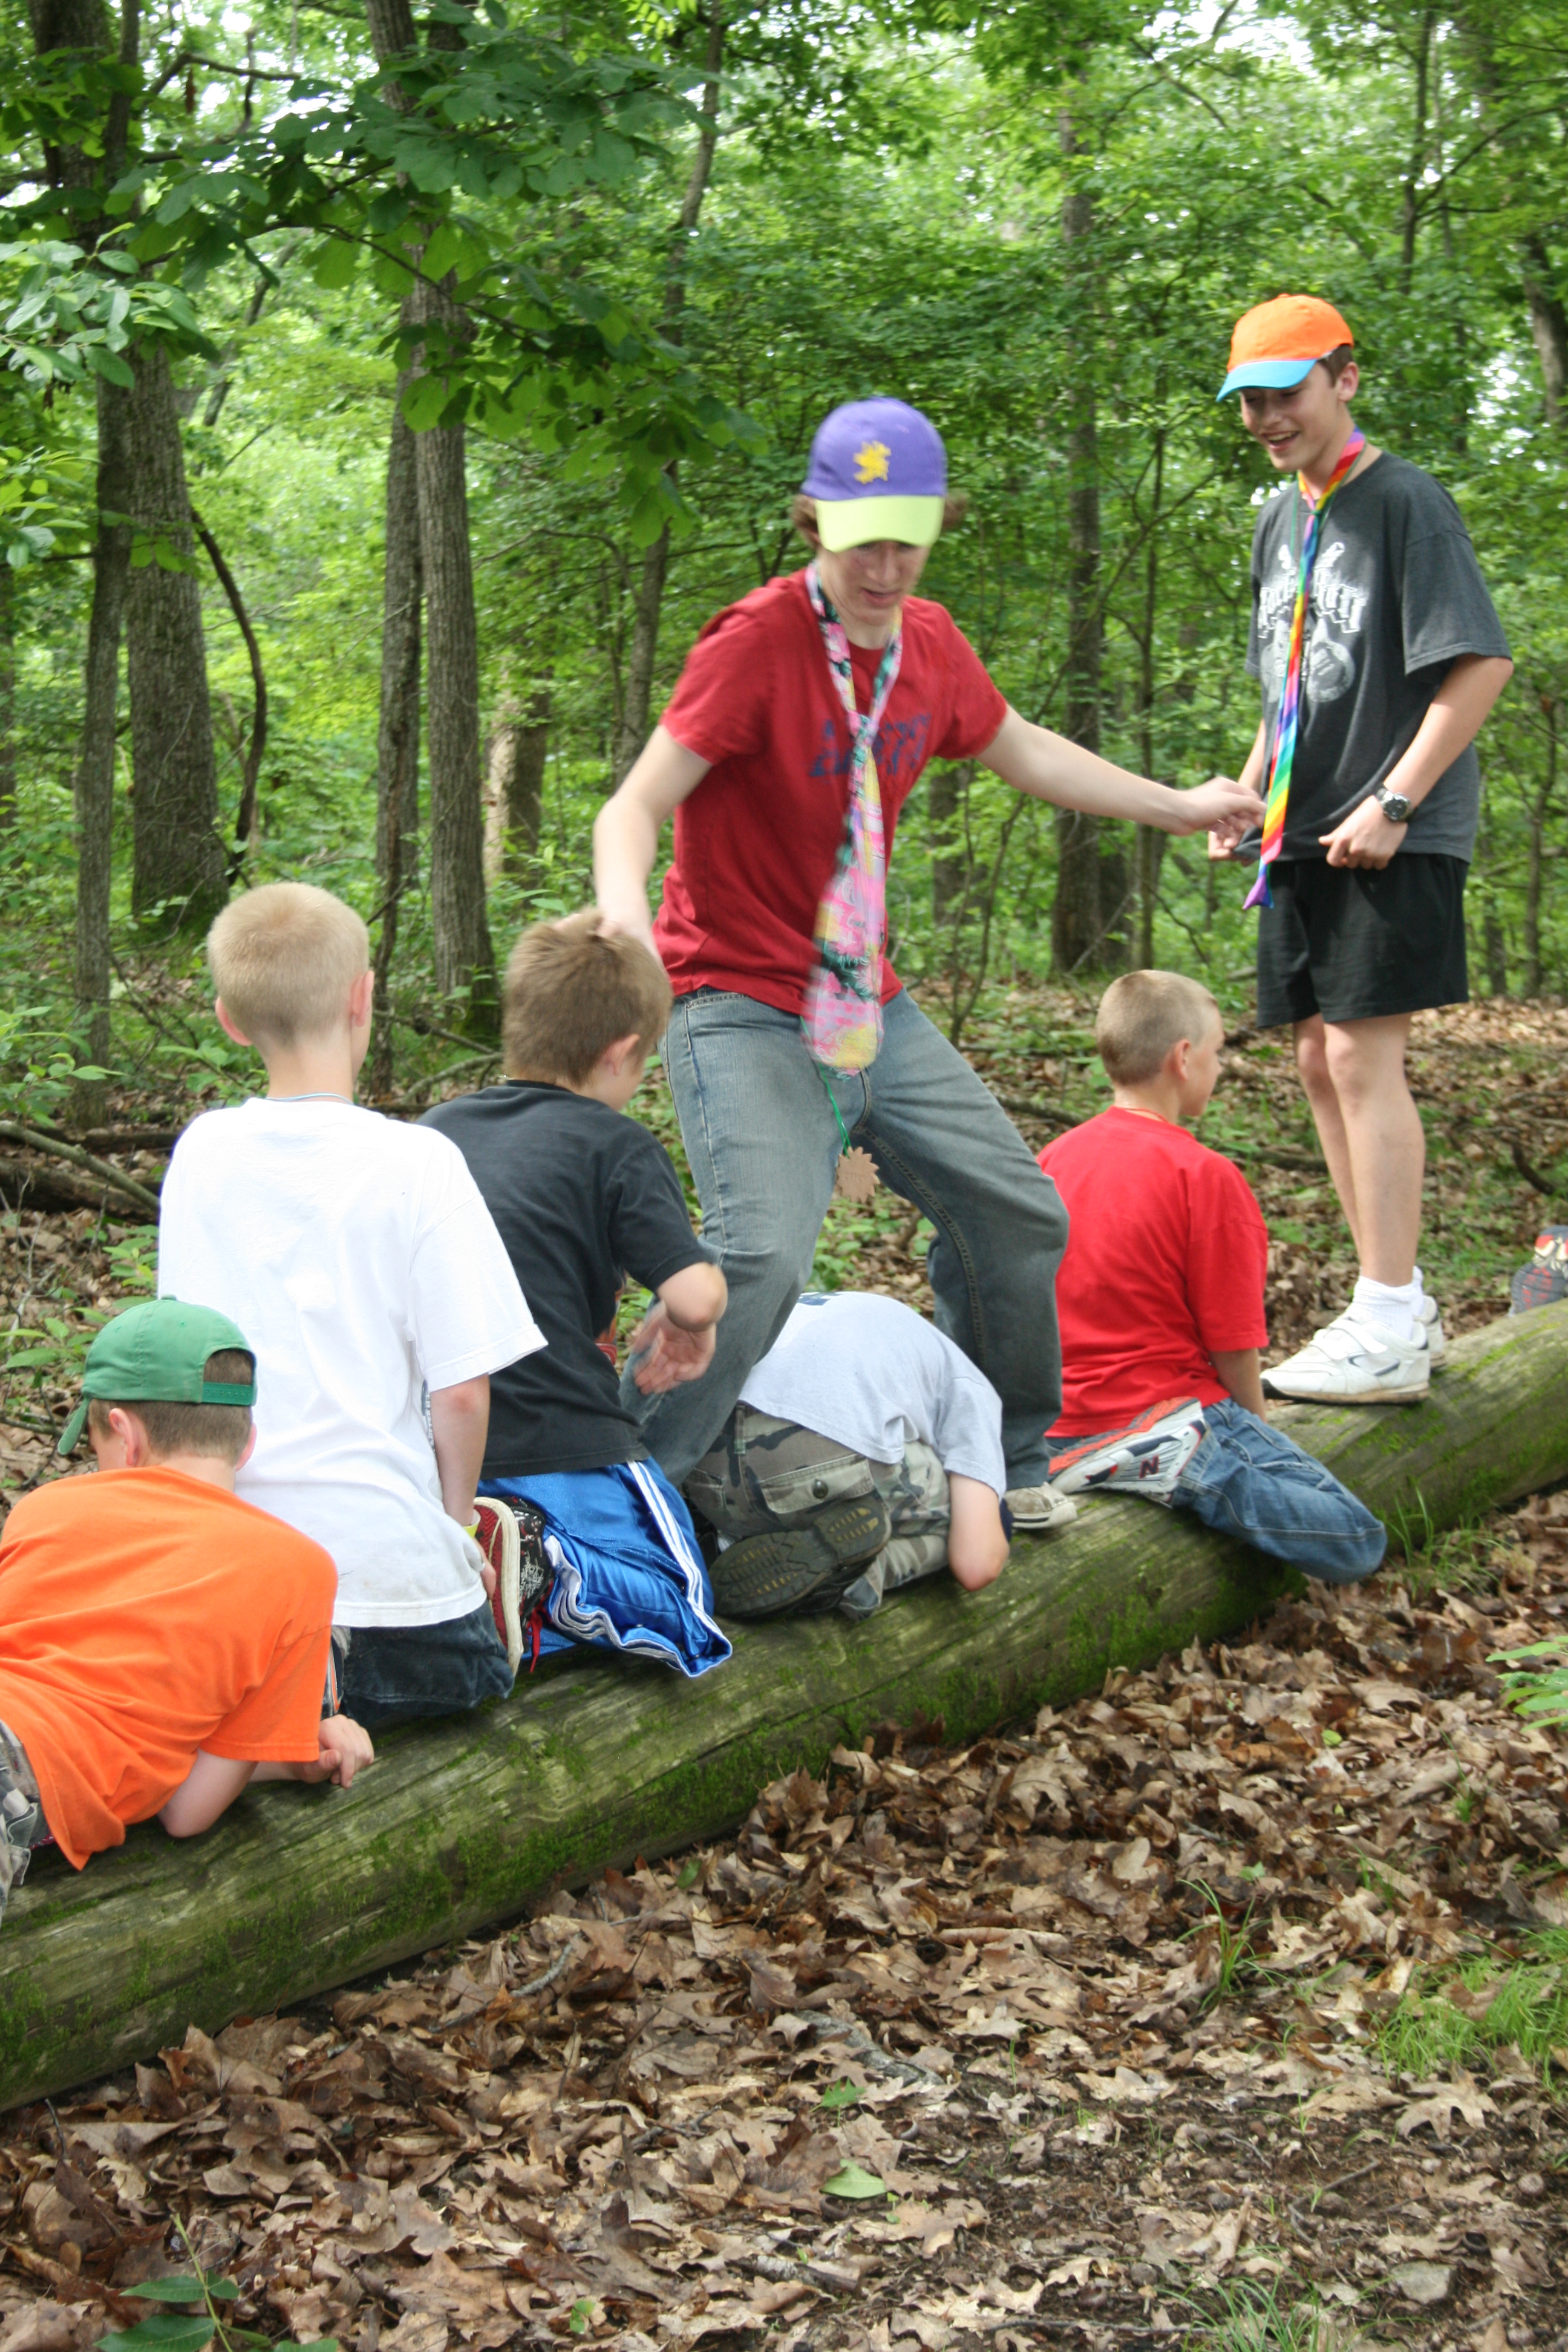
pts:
pixel 1395 805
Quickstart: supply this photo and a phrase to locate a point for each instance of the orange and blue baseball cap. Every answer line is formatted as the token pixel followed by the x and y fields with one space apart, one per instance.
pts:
pixel 878 470
pixel 1280 342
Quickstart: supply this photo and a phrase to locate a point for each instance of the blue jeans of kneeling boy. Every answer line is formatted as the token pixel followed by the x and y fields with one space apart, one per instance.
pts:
pixel 1253 1482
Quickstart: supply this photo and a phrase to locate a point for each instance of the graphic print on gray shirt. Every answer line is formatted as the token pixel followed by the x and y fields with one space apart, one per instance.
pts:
pixel 1396 596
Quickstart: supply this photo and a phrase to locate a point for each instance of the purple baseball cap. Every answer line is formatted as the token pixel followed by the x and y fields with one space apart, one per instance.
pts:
pixel 877 470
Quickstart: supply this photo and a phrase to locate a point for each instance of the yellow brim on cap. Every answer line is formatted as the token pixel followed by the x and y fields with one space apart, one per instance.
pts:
pixel 852 522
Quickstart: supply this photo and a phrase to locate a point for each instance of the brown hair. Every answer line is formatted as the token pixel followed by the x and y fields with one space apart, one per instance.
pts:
pixel 214 1431
pixel 1144 1015
pixel 802 514
pixel 1337 360
pixel 571 993
pixel 283 958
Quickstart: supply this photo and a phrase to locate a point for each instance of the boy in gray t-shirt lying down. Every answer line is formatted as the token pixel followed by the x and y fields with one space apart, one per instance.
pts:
pixel 866 1451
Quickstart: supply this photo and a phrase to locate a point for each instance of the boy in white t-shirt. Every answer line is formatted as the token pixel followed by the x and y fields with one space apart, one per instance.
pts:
pixel 359 1258
pixel 866 1452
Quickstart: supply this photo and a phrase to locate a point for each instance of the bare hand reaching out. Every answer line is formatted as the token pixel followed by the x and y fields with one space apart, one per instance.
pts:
pixel 663 1355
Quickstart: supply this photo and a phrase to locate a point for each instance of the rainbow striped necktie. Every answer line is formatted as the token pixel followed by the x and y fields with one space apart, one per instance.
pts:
pixel 1278 792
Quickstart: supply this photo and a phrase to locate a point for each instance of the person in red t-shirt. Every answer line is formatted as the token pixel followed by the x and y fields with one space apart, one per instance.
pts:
pixel 801 722
pixel 1161 1302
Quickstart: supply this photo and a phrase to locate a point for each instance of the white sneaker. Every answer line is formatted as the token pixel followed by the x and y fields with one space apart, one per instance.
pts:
pixel 1145 1458
pixel 1355 1361
pixel 1037 1510
pixel 1431 1321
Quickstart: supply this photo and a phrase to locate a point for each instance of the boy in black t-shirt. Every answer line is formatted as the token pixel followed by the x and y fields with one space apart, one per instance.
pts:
pixel 1363 924
pixel 583 1198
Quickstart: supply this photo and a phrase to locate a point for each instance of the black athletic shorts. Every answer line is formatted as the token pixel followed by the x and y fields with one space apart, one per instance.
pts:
pixel 1354 942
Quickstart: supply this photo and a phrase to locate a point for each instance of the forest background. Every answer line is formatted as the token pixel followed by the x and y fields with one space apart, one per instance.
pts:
pixel 388 400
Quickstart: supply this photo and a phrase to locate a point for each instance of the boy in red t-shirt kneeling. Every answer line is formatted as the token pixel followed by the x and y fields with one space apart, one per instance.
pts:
pixel 161 1643
pixel 1159 1299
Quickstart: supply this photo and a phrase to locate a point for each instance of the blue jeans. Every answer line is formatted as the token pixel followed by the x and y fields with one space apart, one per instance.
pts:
pixel 763 1144
pixel 1252 1482
pixel 387 1673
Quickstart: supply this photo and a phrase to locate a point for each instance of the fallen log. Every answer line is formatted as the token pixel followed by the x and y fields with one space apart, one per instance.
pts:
pixel 458 1826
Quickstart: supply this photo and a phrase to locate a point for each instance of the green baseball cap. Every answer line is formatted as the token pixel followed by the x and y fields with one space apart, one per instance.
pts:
pixel 157 1353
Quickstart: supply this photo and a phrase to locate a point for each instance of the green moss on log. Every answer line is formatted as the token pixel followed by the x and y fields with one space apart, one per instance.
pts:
pixel 459 1825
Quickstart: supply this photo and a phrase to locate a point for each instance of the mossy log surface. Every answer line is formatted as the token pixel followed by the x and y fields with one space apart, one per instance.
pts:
pixel 460 1824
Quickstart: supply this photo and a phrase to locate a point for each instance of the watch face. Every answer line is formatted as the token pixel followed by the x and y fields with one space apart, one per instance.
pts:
pixel 1394 806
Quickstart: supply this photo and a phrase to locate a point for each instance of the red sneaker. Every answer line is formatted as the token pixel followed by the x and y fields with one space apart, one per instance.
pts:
pixel 497 1537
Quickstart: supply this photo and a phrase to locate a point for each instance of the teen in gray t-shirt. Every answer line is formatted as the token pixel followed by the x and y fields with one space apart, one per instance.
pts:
pixel 1396 595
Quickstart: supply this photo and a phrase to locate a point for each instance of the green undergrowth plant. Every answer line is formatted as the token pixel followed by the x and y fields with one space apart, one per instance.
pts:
pixel 1540 1689
pixel 1443 2020
pixel 190 2312
pixel 1253 2317
pixel 1462 1558
pixel 1238 1964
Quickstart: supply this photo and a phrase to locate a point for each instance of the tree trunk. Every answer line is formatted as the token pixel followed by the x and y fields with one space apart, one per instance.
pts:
pixel 465 958
pixel 1539 812
pixel 1150 840
pixel 397 746
pixel 8 697
pixel 634 722
pixel 944 799
pixel 1411 186
pixel 178 879
pixel 95 769
pixel 514 782
pixel 1548 325
pixel 295 1890
pixel 643 653
pixel 1078 914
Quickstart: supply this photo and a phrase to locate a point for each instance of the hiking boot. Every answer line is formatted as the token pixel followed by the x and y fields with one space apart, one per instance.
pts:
pixel 498 1538
pixel 1355 1361
pixel 1431 1322
pixel 801 1571
pixel 1145 1458
pixel 1037 1510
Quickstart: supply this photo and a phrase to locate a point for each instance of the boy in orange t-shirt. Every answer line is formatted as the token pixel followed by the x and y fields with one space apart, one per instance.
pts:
pixel 161 1643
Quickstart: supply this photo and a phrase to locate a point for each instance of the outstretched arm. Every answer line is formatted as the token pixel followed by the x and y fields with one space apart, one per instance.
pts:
pixel 213 1782
pixel 626 831
pixel 675 1341
pixel 976 1547
pixel 1047 766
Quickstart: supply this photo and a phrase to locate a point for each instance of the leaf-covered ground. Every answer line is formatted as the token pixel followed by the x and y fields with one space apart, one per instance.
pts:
pixel 1236 1992
pixel 1240 1987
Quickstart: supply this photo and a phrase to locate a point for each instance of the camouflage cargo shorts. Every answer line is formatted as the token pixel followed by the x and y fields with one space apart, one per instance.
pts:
pixel 22 1823
pixel 767 1473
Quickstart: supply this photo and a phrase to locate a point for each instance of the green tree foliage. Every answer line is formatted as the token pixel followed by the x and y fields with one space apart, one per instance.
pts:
pixel 886 213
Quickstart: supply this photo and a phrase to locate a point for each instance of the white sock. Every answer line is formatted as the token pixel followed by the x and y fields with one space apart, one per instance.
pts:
pixel 1391 1306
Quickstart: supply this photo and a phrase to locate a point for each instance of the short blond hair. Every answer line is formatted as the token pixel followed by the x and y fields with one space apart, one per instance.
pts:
pixel 1144 1015
pixel 571 994
pixel 283 958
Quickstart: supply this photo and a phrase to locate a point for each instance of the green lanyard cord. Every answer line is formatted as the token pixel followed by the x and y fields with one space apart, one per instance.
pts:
pixel 839 1114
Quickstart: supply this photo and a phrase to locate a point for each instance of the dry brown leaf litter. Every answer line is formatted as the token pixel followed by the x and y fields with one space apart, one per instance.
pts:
pixel 610 2123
